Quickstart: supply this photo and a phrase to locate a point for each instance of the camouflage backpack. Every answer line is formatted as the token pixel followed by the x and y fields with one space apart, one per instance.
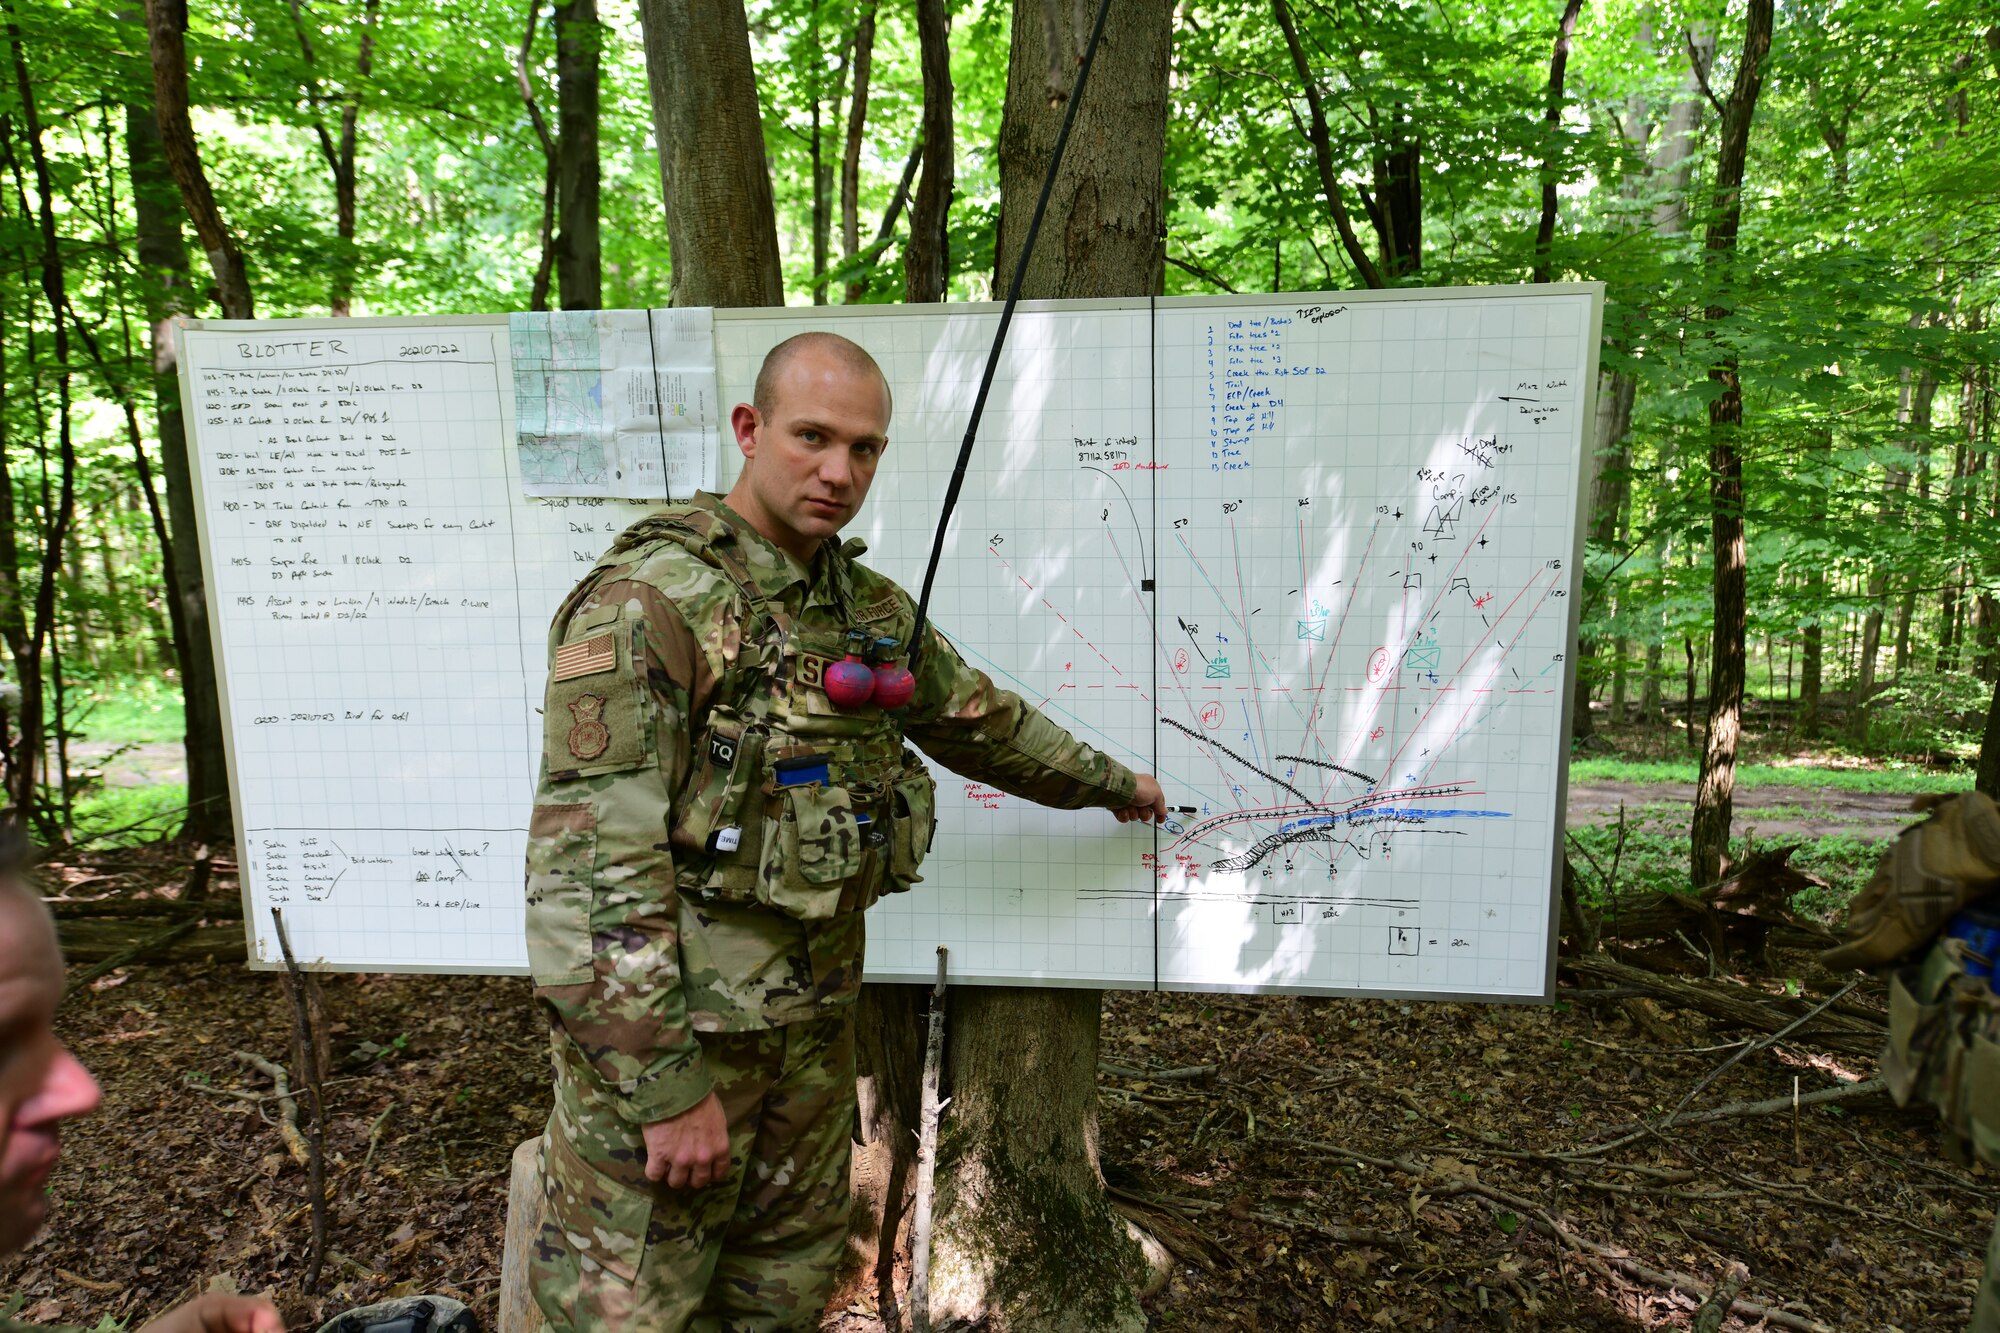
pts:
pixel 1934 869
pixel 1944 1018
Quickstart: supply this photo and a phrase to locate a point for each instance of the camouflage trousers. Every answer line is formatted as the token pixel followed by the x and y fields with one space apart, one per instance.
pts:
pixel 753 1254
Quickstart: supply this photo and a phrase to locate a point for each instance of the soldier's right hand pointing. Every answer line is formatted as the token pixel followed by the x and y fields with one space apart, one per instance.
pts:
pixel 690 1151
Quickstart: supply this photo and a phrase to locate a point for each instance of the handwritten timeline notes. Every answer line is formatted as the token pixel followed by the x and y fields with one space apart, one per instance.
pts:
pixel 381 594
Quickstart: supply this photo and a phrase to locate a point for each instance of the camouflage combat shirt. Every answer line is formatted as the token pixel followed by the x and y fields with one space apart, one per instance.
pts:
pixel 642 930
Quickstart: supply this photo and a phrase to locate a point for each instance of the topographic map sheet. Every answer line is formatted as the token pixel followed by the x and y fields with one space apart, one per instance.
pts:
pixel 615 403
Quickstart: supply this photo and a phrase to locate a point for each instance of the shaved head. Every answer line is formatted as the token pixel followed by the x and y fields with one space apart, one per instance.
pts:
pixel 849 355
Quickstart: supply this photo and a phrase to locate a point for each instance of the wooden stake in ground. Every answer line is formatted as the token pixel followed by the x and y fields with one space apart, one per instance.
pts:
pixel 306 1052
pixel 920 1224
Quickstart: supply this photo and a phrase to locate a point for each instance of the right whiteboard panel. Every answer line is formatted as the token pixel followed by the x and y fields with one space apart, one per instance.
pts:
pixel 1367 533
pixel 1311 560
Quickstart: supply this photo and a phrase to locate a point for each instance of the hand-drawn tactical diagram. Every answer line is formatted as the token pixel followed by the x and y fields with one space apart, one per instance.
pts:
pixel 1310 561
pixel 1312 564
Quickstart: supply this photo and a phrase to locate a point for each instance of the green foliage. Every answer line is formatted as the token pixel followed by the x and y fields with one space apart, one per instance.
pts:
pixel 1859 304
pixel 131 711
pixel 1900 779
pixel 1658 863
pixel 130 816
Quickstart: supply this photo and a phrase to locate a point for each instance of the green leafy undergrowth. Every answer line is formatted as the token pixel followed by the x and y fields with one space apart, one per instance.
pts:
pixel 130 816
pixel 129 711
pixel 1896 781
pixel 1658 863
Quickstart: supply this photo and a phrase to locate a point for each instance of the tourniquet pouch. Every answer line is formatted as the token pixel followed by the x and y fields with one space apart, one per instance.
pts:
pixel 913 823
pixel 719 832
pixel 812 847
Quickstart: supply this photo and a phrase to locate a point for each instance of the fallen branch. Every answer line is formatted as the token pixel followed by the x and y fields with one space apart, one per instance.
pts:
pixel 1156 1075
pixel 132 953
pixel 1840 1092
pixel 1439 1185
pixel 308 1052
pixel 1708 1319
pixel 1736 1004
pixel 288 1106
pixel 1754 1046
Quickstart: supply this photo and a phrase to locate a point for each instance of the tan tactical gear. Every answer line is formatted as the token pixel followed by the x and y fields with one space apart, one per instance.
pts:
pixel 1932 871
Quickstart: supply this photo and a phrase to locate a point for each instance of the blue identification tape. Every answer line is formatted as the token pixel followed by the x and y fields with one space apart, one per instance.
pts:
pixel 799 771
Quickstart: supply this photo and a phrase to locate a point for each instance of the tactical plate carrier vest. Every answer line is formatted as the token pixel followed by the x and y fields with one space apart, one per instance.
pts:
pixel 808 809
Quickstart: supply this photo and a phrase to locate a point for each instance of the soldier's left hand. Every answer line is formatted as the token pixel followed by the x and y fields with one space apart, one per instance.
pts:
pixel 1149 803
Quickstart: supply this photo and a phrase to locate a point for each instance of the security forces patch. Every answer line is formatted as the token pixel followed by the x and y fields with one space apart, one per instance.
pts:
pixel 589 737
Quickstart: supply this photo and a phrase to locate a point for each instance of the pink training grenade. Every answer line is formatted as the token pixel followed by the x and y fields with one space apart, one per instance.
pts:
pixel 849 682
pixel 894 684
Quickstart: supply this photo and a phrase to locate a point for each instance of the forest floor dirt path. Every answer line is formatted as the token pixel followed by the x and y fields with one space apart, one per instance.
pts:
pixel 1766 812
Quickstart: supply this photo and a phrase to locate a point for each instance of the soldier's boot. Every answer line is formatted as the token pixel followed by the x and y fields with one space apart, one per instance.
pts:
pixel 1932 871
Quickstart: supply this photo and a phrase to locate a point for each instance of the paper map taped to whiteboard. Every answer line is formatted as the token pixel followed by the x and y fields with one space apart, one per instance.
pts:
pixel 615 403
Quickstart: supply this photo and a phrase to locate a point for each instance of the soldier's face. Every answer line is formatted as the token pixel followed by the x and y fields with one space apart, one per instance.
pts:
pixel 809 461
pixel 41 1083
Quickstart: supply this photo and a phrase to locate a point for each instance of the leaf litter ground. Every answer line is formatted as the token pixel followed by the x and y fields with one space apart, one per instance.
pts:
pixel 1256 1173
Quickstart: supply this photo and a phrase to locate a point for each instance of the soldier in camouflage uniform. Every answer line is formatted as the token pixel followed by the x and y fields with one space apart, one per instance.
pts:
pixel 1944 1017
pixel 42 1085
pixel 708 831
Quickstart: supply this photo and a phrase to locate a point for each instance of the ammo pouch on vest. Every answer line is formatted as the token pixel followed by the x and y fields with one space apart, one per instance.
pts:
pixel 1944 1049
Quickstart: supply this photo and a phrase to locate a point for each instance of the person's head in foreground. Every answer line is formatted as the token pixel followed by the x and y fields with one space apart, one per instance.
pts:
pixel 42 1085
pixel 811 440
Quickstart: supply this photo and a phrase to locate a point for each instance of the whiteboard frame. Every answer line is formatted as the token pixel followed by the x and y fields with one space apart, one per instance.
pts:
pixel 1585 462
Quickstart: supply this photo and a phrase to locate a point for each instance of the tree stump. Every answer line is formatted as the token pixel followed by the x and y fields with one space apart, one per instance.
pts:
pixel 518 1312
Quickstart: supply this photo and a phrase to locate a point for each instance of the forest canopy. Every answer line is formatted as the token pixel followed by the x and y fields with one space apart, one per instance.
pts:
pixel 382 157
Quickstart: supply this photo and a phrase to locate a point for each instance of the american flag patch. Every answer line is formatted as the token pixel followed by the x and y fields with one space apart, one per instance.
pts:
pixel 585 657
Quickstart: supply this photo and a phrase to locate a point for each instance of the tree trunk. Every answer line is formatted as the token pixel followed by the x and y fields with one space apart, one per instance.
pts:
pixel 1316 133
pixel 346 262
pixel 166 28
pixel 850 158
pixel 889 1031
pixel 1609 488
pixel 538 290
pixel 1819 453
pixel 1987 778
pixel 1025 1238
pixel 722 231
pixel 1716 791
pixel 42 627
pixel 1545 230
pixel 927 258
pixel 579 253
pixel 167 291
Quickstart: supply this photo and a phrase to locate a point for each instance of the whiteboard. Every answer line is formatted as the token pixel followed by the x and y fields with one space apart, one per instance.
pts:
pixel 1308 557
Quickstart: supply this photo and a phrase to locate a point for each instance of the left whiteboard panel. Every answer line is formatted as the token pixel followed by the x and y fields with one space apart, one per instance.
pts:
pixel 380 591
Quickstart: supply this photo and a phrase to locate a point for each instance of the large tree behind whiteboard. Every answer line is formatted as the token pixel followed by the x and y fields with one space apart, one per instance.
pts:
pixel 1021 1161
